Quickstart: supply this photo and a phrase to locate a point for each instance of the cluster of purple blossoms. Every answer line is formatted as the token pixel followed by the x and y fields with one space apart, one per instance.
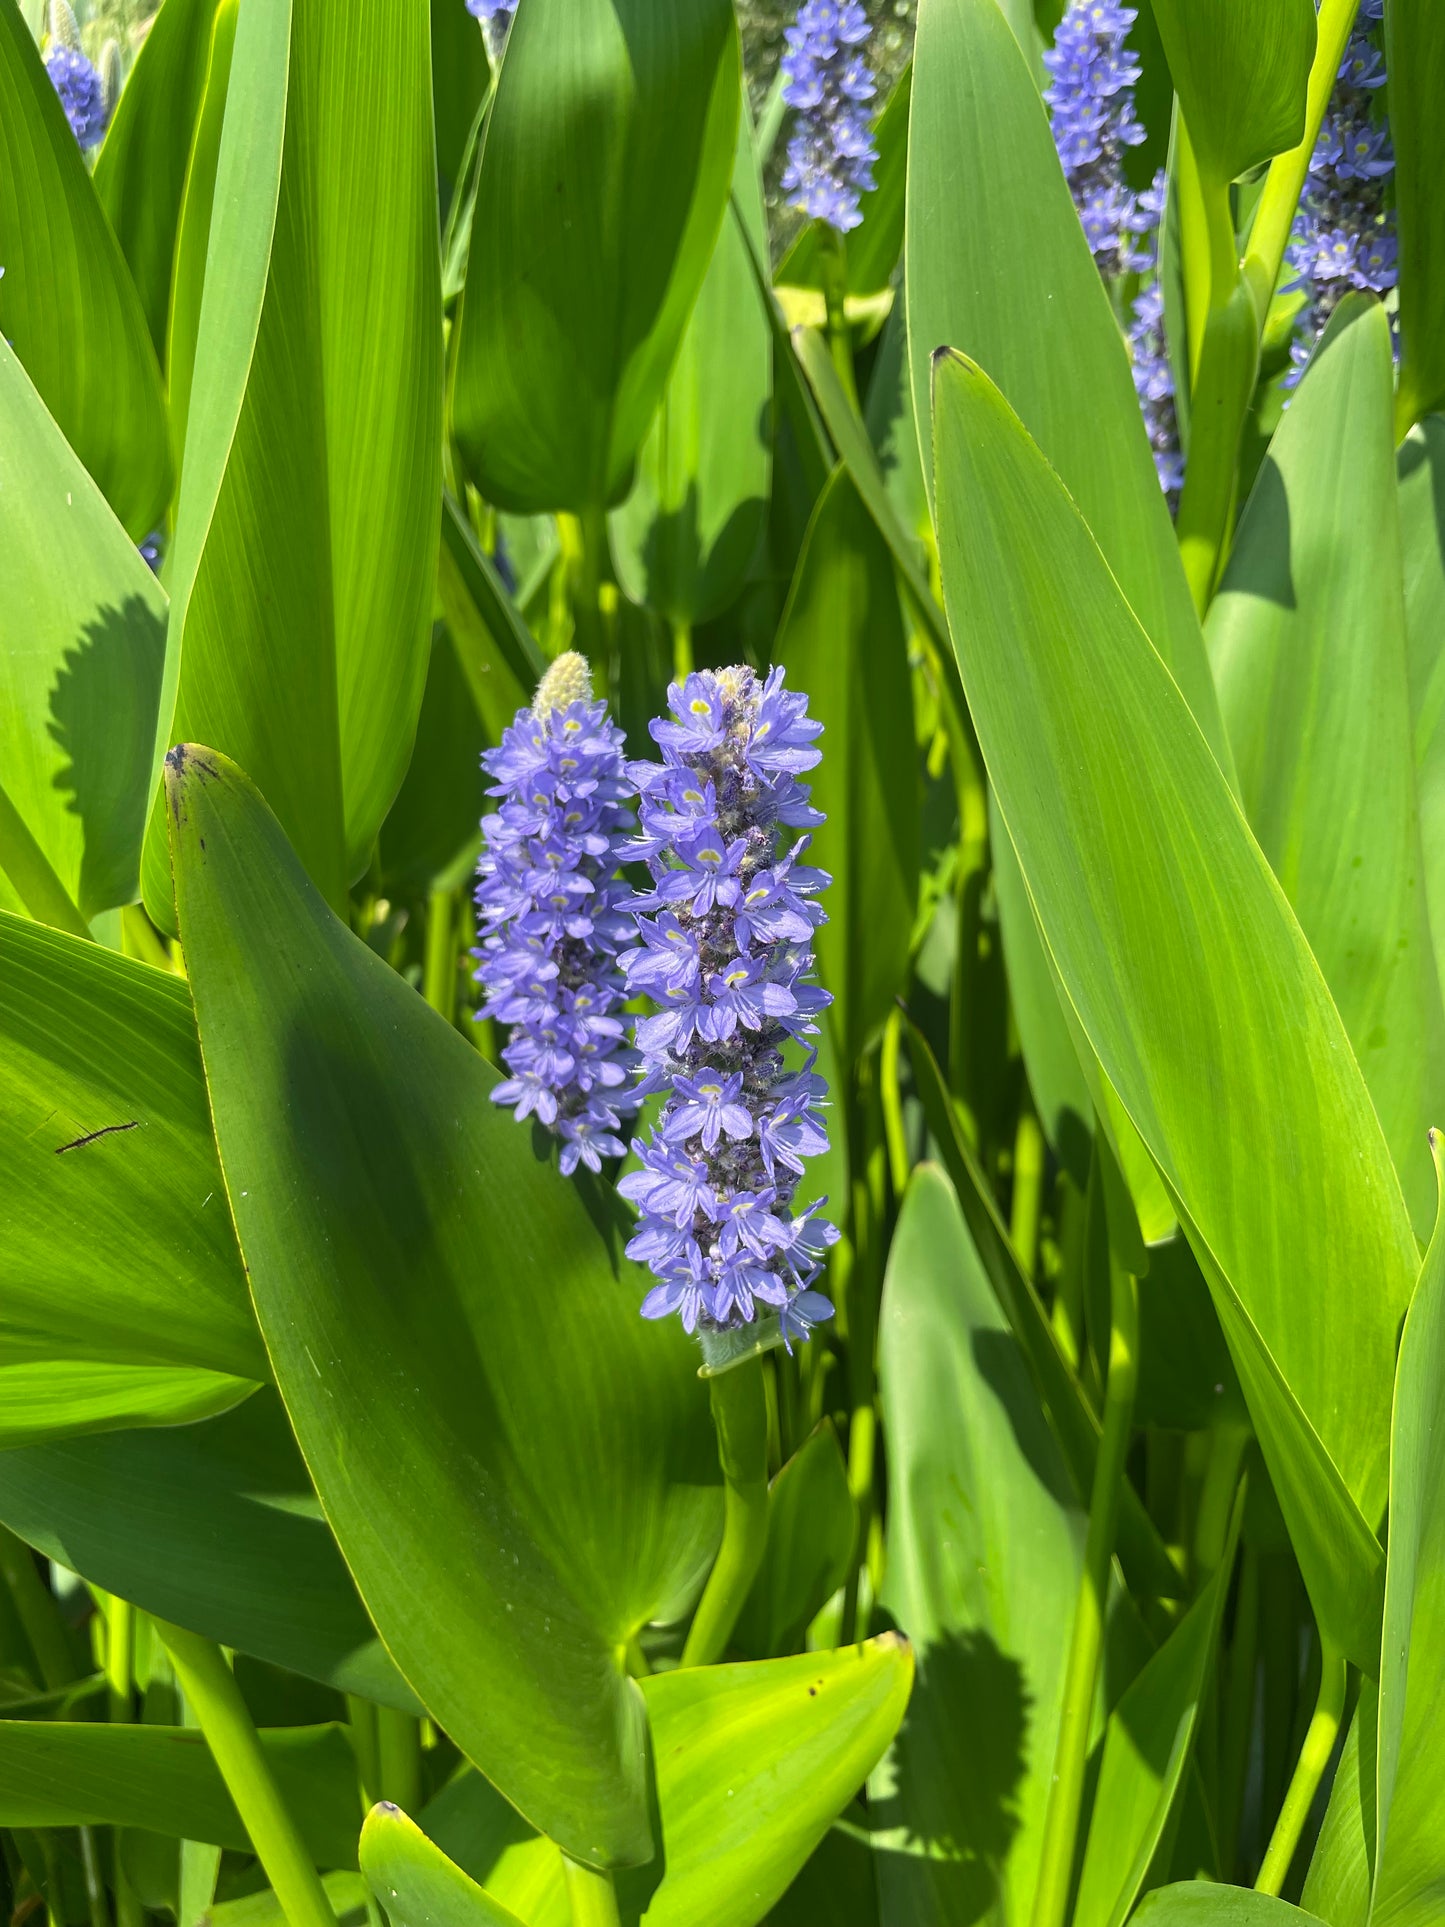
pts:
pixel 554 930
pixel 80 91
pixel 1091 108
pixel 828 83
pixel 496 19
pixel 1344 234
pixel 727 955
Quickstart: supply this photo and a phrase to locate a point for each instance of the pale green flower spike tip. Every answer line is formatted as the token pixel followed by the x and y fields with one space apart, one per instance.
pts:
pixel 63 28
pixel 568 681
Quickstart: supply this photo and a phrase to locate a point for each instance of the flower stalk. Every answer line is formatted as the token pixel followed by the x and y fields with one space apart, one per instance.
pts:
pixel 739 1410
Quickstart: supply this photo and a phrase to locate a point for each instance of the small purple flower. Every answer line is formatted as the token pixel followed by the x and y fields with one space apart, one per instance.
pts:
pixel 496 18
pixel 829 85
pixel 726 952
pixel 554 933
pixel 1344 233
pixel 80 91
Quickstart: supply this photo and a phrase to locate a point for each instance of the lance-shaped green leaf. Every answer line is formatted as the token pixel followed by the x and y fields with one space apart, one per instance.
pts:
pixel 842 642
pixel 67 303
pixel 415 1881
pixel 454 1332
pixel 1415 60
pixel 684 538
pixel 1203 1903
pixel 140 172
pixel 1337 1885
pixel 1409 1858
pixel 163 1778
pixel 215 1527
pixel 117 1246
pixel 1307 638
pixel 461 76
pixel 604 175
pixel 311 488
pixel 82 659
pixel 985 191
pixel 1422 535
pixel 66 1398
pixel 985 1541
pixel 812 1522
pixel 753 1764
pixel 1188 973
pixel 1240 68
pixel 1146 1752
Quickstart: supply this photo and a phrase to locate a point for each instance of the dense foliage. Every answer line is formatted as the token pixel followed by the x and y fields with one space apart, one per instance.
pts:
pixel 722 872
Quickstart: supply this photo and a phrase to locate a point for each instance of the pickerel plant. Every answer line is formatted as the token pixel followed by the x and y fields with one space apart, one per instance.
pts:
pixel 722 852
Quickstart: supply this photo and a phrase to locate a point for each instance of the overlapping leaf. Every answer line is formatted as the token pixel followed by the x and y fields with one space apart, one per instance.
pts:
pixel 1178 951
pixel 1240 68
pixel 1415 61
pixel 1422 532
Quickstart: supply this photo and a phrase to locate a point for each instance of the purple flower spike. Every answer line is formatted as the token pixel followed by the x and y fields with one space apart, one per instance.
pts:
pixel 554 932
pixel 496 19
pixel 829 84
pixel 80 91
pixel 727 955
pixel 1344 233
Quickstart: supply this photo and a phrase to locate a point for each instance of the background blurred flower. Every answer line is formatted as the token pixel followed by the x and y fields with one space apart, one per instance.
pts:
pixel 80 91
pixel 829 83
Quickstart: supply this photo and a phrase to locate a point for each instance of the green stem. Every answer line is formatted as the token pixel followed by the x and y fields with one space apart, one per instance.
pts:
pixel 38 1612
pixel 740 1413
pixel 95 1900
pixel 1216 1498
pixel 1028 1190
pixel 585 541
pixel 21 858
pixel 365 1743
pixel 211 1690
pixel 1194 252
pixel 1314 1757
pixel 682 660
pixel 1061 1821
pixel 439 972
pixel 1238 1710
pixel 833 256
pixel 1279 198
pixel 120 1681
pixel 592 1894
pixel 398 1746
pixel 892 1099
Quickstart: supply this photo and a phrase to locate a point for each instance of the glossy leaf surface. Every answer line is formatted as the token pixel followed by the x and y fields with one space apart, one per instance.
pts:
pixel 842 640
pixel 82 658
pixel 1240 69
pixel 68 306
pixel 415 1881
pixel 1200 1903
pixel 456 1338
pixel 1307 639
pixel 1111 796
pixel 215 1527
pixel 985 1540
pixel 66 1398
pixel 604 176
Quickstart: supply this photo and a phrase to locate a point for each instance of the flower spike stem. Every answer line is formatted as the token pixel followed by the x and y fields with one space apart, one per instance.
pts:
pixel 1314 1758
pixel 740 1413
pixel 592 1894
pixel 1061 1821
pixel 214 1697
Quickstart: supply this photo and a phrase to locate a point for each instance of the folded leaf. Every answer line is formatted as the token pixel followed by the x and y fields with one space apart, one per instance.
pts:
pixel 1189 975
pixel 68 306
pixel 66 1398
pixel 519 1470
pixel 1307 639
pixel 603 180
pixel 1240 68
pixel 811 1526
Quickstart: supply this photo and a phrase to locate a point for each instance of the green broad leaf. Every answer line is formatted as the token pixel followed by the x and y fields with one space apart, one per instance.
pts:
pixel 812 1522
pixel 82 661
pixel 306 537
pixel 461 77
pixel 842 641
pixel 454 1332
pixel 754 1762
pixel 495 645
pixel 1183 961
pixel 1147 1747
pixel 66 1398
pixel 1422 536
pixel 1241 69
pixel 1307 638
pixel 985 191
pixel 1337 1885
pixel 1142 1553
pixel 1409 1857
pixel 117 1244
pixel 871 250
pixel 1204 1903
pixel 162 1778
pixel 604 177
pixel 1415 62
pixel 683 540
pixel 68 306
pixel 215 1527
pixel 416 1883
pixel 985 1543
pixel 140 172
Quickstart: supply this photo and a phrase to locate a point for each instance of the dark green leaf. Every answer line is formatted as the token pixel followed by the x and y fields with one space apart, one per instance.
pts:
pixel 811 1526
pixel 1422 533
pixel 1415 61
